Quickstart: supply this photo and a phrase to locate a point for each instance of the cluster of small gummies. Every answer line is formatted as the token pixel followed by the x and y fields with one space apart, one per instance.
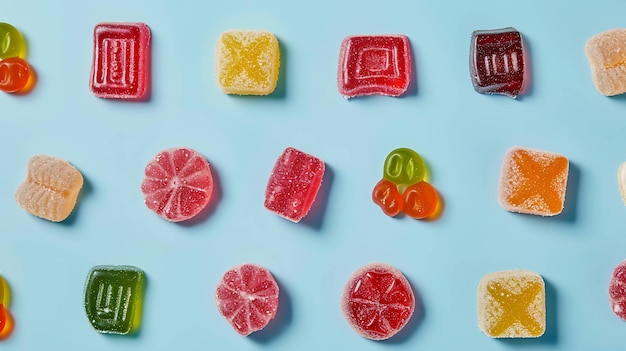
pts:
pixel 16 75
pixel 403 188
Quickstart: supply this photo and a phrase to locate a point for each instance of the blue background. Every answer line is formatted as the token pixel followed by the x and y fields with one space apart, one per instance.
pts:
pixel 461 134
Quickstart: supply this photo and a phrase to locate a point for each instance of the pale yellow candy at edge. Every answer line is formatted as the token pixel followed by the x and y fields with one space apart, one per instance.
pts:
pixel 50 189
pixel 621 180
pixel 606 53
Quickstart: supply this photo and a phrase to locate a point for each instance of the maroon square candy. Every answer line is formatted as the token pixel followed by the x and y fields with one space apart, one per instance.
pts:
pixel 293 184
pixel 121 61
pixel 374 65
pixel 497 61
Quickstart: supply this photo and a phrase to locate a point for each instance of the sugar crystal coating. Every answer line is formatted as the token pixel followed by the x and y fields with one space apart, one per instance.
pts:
pixel 247 297
pixel 50 189
pixel 12 44
pixel 606 53
pixel 178 184
pixel 617 291
pixel 374 65
pixel 377 301
pixel 533 181
pixel 113 298
pixel 511 304
pixel 497 61
pixel 247 62
pixel 121 61
pixel 293 184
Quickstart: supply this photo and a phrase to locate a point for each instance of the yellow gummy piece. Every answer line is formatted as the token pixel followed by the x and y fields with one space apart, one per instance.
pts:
pixel 247 62
pixel 50 189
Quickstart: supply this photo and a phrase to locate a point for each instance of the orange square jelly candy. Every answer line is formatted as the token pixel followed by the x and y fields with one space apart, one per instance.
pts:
pixel 247 62
pixel 374 65
pixel 533 181
pixel 50 189
pixel 512 304
pixel 606 53
pixel 121 61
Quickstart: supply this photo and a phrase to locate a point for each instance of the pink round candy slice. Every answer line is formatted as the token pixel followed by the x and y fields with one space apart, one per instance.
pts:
pixel 177 184
pixel 377 301
pixel 247 297
pixel 617 291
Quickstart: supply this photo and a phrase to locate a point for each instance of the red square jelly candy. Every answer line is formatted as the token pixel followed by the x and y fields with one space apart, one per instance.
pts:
pixel 293 184
pixel 497 61
pixel 121 61
pixel 374 65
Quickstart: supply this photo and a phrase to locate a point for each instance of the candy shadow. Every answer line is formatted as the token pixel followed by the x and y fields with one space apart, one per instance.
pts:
pixel 412 88
pixel 551 335
pixel 281 85
pixel 528 86
pixel 283 317
pixel 410 328
pixel 216 197
pixel 85 191
pixel 315 218
pixel 570 206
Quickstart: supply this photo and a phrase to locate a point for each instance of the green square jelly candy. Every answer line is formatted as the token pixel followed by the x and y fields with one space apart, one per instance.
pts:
pixel 113 298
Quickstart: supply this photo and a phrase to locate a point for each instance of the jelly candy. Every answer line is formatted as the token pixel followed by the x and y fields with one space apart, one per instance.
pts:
pixel 621 179
pixel 617 291
pixel 121 61
pixel 50 189
pixel 497 61
pixel 247 62
pixel 293 184
pixel 113 298
pixel 533 181
pixel 420 200
pixel 3 315
pixel 511 304
pixel 377 301
pixel 403 188
pixel 15 74
pixel 404 167
pixel 178 184
pixel 247 297
pixel 12 43
pixel 374 65
pixel 606 53
pixel 387 196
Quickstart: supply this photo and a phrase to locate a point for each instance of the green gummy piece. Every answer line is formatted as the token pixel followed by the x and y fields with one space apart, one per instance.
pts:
pixel 404 167
pixel 113 298
pixel 12 43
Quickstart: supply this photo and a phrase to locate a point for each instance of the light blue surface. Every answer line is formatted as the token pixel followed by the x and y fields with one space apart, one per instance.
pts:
pixel 461 134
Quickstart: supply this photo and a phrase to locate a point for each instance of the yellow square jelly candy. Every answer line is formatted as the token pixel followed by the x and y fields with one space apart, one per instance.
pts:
pixel 50 189
pixel 512 304
pixel 606 53
pixel 247 62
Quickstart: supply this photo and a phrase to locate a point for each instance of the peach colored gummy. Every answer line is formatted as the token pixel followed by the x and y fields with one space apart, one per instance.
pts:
pixel 606 53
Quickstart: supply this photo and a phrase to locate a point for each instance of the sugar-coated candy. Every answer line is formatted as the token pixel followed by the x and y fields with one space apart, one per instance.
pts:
pixel 374 65
pixel 293 184
pixel 113 298
pixel 617 291
pixel 247 297
pixel 606 53
pixel 621 180
pixel 533 181
pixel 512 304
pixel 50 189
pixel 121 61
pixel 178 184
pixel 247 62
pixel 15 75
pixel 497 61
pixel 377 301
pixel 12 44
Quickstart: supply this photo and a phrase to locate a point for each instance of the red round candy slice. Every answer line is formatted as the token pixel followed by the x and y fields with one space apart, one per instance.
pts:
pixel 420 200
pixel 377 301
pixel 177 184
pixel 617 291
pixel 247 296
pixel 387 196
pixel 3 317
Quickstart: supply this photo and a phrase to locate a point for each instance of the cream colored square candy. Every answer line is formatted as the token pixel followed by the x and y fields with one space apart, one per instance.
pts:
pixel 606 53
pixel 50 189
pixel 621 180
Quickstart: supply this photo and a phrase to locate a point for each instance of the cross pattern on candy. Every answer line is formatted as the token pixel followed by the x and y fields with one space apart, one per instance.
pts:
pixel 515 307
